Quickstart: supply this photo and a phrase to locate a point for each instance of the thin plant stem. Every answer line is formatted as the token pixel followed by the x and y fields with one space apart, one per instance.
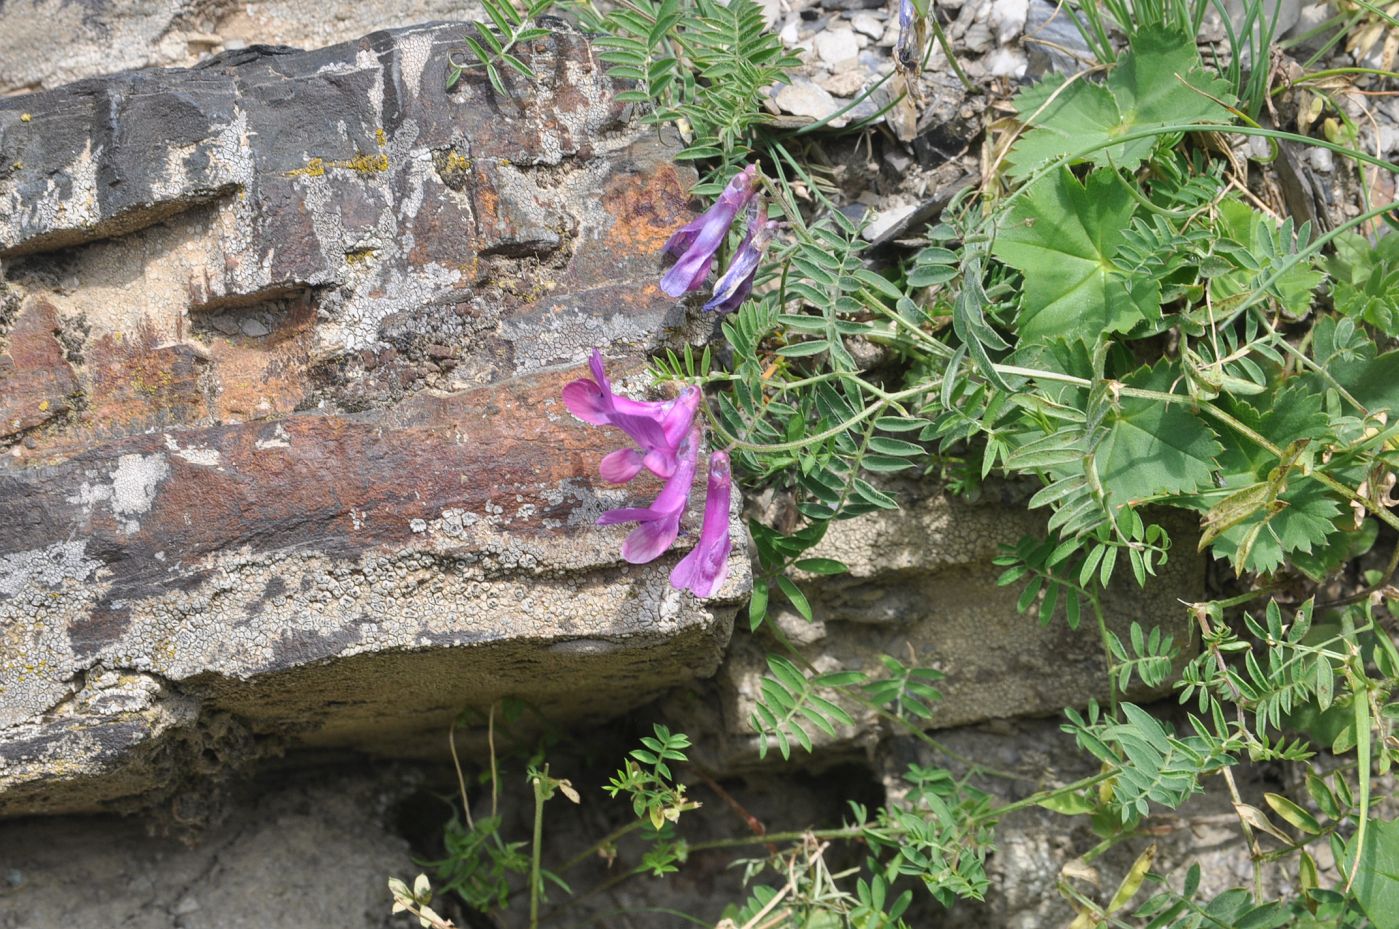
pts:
pixel 536 851
pixel 1095 600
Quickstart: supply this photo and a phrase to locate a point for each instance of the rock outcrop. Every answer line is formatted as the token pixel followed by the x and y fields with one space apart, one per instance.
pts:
pixel 922 588
pixel 284 461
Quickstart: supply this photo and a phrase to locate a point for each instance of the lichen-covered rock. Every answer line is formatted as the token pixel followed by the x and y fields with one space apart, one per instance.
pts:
pixel 45 43
pixel 279 407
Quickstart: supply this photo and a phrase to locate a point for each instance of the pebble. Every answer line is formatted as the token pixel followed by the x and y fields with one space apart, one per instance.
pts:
pixel 803 98
pixel 1006 62
pixel 225 323
pixel 884 220
pixel 1007 19
pixel 837 46
pixel 1322 160
pixel 1389 139
pixel 1052 37
pixel 845 83
pixel 869 24
pixel 772 9
pixel 254 327
pixel 978 39
pixel 791 32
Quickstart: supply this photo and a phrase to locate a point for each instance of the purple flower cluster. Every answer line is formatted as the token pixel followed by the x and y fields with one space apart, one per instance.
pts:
pixel 668 441
pixel 695 244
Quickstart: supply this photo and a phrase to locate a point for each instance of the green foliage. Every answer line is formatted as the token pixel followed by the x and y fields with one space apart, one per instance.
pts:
pixel 1377 880
pixel 1122 330
pixel 697 64
pixel 495 42
pixel 479 863
pixel 790 704
pixel 647 780
pixel 1068 235
pixel 1149 660
pixel 1366 276
pixel 1149 763
pixel 1117 333
pixel 1158 83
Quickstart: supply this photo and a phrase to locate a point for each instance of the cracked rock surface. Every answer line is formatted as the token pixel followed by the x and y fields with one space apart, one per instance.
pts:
pixel 281 344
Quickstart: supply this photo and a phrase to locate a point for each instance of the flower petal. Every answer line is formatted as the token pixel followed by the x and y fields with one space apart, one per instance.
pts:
pixel 649 541
pixel 660 522
pixel 703 569
pixel 584 400
pixel 620 466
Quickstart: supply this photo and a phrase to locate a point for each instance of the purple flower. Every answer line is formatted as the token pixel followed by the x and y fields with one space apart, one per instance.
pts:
pixel 906 51
pixel 657 427
pixel 660 522
pixel 702 570
pixel 736 283
pixel 696 242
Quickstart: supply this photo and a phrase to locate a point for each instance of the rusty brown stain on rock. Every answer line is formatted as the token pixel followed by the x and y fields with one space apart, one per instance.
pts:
pixel 136 381
pixel 645 214
pixel 255 379
pixel 35 378
pixel 341 484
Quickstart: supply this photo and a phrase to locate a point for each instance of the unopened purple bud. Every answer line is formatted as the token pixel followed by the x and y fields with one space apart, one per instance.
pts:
pixel 736 283
pixel 907 53
pixel 697 241
pixel 704 567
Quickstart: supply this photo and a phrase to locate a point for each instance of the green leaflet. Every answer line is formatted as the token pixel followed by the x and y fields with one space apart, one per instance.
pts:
pixel 1063 236
pixel 1264 245
pixel 1160 82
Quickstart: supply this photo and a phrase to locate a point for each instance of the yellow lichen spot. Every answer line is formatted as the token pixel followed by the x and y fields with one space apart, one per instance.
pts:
pixel 314 168
pixel 359 256
pixel 361 163
pixel 43 406
pixel 17 166
pixel 456 162
pixel 367 164
pixel 380 138
pixel 25 117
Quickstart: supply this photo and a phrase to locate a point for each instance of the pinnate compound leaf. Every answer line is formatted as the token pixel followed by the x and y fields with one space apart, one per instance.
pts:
pixel 1063 236
pixel 1159 82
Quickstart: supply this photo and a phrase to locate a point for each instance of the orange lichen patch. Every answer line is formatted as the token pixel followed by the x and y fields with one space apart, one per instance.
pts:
pixel 266 378
pixel 137 382
pixel 486 201
pixel 644 214
pixel 35 380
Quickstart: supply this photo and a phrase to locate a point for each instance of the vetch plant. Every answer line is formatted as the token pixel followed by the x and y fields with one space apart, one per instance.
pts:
pixel 1115 322
pixel 670 445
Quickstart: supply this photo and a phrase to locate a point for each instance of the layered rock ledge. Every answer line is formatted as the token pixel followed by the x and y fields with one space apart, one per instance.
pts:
pixel 284 463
